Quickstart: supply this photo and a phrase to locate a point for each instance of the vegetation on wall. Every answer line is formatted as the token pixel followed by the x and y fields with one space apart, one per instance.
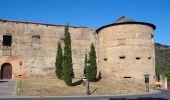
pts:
pixel 67 73
pixel 91 67
pixel 162 58
pixel 58 63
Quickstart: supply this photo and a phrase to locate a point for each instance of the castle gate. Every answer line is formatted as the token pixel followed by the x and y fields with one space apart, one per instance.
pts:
pixel 6 71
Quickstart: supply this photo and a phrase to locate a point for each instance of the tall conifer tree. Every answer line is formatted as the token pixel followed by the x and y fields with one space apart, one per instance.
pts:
pixel 67 72
pixel 58 63
pixel 91 70
pixel 85 65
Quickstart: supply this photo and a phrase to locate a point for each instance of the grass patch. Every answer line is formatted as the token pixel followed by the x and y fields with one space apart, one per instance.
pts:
pixel 55 87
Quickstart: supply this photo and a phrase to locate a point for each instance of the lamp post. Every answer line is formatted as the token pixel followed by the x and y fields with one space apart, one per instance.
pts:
pixel 87 88
pixel 147 82
pixel 87 65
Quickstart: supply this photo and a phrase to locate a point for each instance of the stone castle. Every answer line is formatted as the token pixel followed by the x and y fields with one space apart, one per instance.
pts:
pixel 125 49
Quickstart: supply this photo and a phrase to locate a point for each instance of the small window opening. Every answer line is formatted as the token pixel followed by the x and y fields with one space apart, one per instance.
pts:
pixel 7 40
pixel 151 36
pixel 149 57
pixel 105 59
pixel 138 58
pixel 36 39
pixel 36 36
pixel 122 57
pixel 127 77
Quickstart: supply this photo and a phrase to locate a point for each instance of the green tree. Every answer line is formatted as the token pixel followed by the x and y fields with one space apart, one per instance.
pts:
pixel 166 73
pixel 85 65
pixel 67 73
pixel 58 63
pixel 91 69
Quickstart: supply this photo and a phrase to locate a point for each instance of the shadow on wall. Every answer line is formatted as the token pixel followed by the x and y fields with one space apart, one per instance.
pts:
pixel 147 98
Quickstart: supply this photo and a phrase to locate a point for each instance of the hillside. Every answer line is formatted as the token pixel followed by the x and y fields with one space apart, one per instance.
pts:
pixel 162 57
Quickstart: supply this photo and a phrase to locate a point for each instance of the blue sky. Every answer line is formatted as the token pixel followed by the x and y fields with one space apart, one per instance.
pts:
pixel 91 13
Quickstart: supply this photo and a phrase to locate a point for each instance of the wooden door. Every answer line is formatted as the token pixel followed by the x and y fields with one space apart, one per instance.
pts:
pixel 6 71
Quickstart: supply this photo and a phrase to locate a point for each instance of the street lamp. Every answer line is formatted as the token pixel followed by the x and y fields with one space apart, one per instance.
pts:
pixel 147 82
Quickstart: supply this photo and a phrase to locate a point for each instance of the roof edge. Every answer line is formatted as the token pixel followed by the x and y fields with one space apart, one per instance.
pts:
pixel 46 24
pixel 114 24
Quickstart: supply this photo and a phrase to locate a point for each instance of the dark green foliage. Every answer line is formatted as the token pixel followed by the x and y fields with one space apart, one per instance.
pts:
pixel 166 73
pixel 67 72
pixel 58 63
pixel 85 65
pixel 162 59
pixel 91 70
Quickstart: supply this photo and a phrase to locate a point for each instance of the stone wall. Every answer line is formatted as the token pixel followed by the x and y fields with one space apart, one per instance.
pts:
pixel 123 50
pixel 34 46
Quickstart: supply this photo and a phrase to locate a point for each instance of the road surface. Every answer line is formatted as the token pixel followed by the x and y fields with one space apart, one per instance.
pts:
pixel 162 95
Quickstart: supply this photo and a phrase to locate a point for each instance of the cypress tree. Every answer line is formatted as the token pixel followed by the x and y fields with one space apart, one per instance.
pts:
pixel 85 65
pixel 67 72
pixel 58 63
pixel 92 68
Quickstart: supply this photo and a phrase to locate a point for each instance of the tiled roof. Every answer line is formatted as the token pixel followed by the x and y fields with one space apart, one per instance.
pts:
pixel 124 19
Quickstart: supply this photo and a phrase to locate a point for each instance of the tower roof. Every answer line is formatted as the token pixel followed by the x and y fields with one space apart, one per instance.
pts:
pixel 124 19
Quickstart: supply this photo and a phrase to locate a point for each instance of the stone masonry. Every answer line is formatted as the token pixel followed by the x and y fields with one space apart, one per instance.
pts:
pixel 34 46
pixel 125 49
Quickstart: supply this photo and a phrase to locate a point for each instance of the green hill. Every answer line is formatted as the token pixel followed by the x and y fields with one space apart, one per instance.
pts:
pixel 162 58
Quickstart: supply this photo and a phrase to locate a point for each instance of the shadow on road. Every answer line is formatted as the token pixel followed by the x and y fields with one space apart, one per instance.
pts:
pixel 138 99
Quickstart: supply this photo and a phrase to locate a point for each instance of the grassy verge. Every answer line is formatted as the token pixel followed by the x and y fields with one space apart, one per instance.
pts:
pixel 55 87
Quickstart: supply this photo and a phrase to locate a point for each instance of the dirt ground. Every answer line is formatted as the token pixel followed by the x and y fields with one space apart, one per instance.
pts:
pixel 55 87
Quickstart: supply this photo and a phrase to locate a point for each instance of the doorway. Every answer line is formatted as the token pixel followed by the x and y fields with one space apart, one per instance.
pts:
pixel 6 71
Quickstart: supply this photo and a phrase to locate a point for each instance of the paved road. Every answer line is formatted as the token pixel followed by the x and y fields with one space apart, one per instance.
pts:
pixel 162 95
pixel 7 87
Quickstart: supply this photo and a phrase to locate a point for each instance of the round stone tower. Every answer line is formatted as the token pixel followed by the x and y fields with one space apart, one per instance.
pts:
pixel 126 50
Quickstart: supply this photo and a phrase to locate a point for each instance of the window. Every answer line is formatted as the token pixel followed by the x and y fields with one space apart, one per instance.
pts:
pixel 105 59
pixel 7 40
pixel 149 58
pixel 127 77
pixel 121 41
pixel 151 36
pixel 138 58
pixel 122 57
pixel 36 39
pixel 152 40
